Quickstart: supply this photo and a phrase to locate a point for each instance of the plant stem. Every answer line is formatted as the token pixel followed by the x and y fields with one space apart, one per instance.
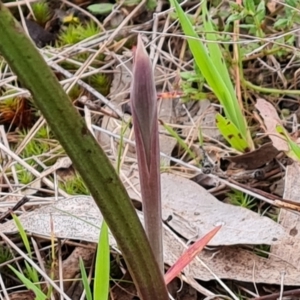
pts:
pixel 270 90
pixel 86 154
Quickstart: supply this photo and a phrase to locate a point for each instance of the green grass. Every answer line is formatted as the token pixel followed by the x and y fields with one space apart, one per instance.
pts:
pixel 241 199
pixel 211 63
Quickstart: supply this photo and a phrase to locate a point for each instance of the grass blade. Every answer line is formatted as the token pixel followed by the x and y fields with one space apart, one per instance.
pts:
pixel 29 285
pixel 101 283
pixel 85 282
pixel 22 234
pixel 32 273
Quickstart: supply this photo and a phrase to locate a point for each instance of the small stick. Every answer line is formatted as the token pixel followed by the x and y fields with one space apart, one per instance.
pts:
pixel 14 208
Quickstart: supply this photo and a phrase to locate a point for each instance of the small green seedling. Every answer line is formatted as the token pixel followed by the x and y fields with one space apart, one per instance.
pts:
pixel 75 33
pixel 241 199
pixel 74 186
pixel 252 14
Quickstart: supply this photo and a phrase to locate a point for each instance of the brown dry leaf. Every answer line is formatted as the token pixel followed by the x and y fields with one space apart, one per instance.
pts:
pixel 79 218
pixel 70 266
pixel 290 220
pixel 271 119
pixel 22 295
pixel 195 211
pixel 118 94
pixel 254 159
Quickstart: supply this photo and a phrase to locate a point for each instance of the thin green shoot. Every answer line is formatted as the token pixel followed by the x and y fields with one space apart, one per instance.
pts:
pixel 22 234
pixel 85 281
pixel 102 267
pixel 31 272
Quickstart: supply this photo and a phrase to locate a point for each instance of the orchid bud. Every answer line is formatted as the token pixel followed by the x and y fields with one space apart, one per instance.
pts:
pixel 145 123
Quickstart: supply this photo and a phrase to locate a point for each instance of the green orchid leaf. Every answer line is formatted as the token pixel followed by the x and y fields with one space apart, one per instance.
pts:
pixel 231 134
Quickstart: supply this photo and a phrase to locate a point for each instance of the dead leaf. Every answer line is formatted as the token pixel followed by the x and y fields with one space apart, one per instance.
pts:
pixel 255 159
pixel 70 266
pixel 271 119
pixel 195 211
pixel 166 142
pixel 290 220
pixel 79 218
pixel 22 295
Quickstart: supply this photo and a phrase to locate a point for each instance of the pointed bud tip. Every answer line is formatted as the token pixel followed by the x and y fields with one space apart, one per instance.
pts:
pixel 140 52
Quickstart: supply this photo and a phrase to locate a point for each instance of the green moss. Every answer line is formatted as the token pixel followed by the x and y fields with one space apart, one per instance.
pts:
pixel 100 82
pixel 5 254
pixel 42 12
pixel 75 92
pixel 23 175
pixel 74 186
pixel 75 33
